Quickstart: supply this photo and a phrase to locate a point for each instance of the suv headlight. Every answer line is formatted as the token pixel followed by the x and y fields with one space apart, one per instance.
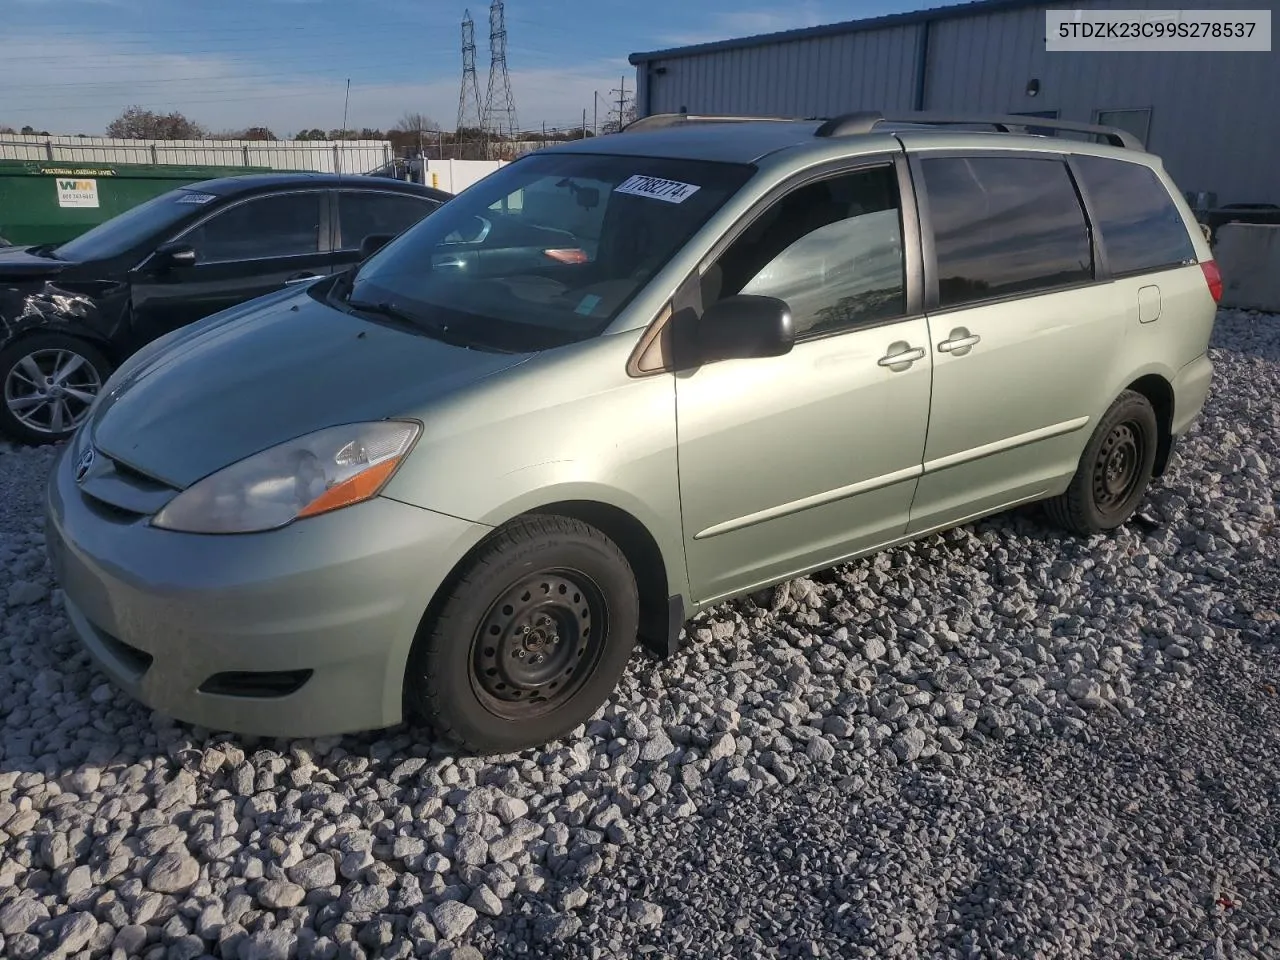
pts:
pixel 323 471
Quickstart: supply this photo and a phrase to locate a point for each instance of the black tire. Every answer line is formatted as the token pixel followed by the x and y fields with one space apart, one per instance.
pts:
pixel 530 639
pixel 28 416
pixel 1114 472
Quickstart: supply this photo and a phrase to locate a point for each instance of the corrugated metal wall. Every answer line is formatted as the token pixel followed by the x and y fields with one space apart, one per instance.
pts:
pixel 1212 114
pixel 801 78
pixel 358 156
pixel 1211 117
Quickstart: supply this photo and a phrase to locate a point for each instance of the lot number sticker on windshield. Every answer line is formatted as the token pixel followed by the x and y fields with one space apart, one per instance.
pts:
pixel 655 188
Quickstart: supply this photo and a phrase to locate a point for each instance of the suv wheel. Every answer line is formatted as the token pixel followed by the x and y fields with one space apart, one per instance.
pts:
pixel 1114 470
pixel 47 384
pixel 531 639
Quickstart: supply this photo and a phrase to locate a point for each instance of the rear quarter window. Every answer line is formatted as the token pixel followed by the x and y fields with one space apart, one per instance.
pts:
pixel 1004 226
pixel 1141 227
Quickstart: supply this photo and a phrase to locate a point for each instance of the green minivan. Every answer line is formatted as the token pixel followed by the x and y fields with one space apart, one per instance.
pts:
pixel 612 384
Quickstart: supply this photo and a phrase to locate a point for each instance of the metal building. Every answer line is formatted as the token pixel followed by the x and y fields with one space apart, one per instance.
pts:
pixel 1211 116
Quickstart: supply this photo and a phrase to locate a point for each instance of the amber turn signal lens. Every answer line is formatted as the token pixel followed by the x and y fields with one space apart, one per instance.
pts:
pixel 360 487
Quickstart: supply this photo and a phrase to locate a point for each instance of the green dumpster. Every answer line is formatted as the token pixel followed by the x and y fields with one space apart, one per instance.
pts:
pixel 52 201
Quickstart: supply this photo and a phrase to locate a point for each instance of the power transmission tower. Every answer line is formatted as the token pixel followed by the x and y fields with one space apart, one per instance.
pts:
pixel 623 102
pixel 500 104
pixel 470 113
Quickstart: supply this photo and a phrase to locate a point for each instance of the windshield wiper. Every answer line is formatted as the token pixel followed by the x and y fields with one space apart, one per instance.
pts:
pixel 390 311
pixel 385 308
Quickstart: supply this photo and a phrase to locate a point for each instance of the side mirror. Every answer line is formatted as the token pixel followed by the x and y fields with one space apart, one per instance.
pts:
pixel 373 243
pixel 175 254
pixel 742 327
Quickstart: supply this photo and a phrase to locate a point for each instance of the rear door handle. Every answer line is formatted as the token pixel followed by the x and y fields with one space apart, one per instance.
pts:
pixel 902 357
pixel 959 342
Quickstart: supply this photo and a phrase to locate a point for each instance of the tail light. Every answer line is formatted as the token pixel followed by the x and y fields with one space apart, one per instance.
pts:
pixel 1213 277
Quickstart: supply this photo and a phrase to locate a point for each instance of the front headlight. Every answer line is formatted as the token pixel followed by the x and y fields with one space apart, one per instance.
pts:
pixel 332 468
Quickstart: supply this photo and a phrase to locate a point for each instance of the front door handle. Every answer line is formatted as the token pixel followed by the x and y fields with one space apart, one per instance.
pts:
pixel 959 342
pixel 302 277
pixel 901 355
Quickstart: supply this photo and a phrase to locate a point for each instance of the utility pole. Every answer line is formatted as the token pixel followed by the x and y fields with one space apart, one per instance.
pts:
pixel 584 123
pixel 595 114
pixel 621 93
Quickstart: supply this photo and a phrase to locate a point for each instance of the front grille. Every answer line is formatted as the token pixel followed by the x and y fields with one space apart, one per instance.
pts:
pixel 108 510
pixel 278 683
pixel 135 477
pixel 123 493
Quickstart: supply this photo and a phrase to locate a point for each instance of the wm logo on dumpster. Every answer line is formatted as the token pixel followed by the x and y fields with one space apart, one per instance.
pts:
pixel 77 193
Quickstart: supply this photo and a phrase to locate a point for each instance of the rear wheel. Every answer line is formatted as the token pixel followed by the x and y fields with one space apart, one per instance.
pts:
pixel 48 382
pixel 531 639
pixel 1114 470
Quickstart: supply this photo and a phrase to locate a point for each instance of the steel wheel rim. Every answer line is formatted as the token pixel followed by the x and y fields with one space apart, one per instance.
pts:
pixel 1117 469
pixel 538 643
pixel 50 391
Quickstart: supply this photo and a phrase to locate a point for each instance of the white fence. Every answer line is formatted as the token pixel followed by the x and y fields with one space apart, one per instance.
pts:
pixel 456 175
pixel 325 156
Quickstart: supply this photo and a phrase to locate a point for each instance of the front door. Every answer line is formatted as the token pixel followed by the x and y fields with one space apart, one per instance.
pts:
pixel 250 248
pixel 1022 333
pixel 791 463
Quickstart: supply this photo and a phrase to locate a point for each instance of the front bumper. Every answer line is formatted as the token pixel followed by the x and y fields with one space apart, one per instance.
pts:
pixel 189 624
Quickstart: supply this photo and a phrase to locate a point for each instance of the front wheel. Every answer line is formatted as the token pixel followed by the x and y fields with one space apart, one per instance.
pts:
pixel 48 382
pixel 531 639
pixel 1114 470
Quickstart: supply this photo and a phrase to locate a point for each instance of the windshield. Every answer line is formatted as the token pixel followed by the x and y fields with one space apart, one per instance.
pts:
pixel 125 231
pixel 546 251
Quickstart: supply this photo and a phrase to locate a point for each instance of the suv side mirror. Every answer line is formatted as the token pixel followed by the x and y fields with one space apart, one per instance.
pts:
pixel 373 243
pixel 743 327
pixel 175 254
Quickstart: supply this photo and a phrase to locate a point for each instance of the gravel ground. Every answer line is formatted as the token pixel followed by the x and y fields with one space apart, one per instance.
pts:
pixel 998 741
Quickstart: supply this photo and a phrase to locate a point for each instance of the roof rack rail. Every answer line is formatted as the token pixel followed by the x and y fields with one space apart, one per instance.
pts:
pixel 865 121
pixel 659 120
pixel 847 124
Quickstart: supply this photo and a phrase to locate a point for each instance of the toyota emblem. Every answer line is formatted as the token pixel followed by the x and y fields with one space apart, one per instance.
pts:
pixel 84 465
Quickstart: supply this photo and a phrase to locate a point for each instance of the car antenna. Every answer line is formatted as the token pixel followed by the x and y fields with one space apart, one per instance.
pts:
pixel 346 102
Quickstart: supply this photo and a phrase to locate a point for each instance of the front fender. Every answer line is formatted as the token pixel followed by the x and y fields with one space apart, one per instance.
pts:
pixel 89 311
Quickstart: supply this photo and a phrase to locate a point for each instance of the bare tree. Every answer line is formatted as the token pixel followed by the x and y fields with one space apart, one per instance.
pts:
pixel 412 122
pixel 414 129
pixel 135 123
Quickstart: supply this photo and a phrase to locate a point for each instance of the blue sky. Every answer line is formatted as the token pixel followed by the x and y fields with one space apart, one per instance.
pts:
pixel 69 66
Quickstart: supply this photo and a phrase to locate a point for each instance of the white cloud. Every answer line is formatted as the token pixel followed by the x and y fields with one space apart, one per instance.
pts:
pixel 77 85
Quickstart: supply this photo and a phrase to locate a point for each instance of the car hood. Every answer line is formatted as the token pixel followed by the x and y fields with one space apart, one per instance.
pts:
pixel 255 376
pixel 18 263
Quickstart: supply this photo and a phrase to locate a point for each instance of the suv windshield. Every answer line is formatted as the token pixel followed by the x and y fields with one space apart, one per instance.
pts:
pixel 546 251
pixel 126 230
